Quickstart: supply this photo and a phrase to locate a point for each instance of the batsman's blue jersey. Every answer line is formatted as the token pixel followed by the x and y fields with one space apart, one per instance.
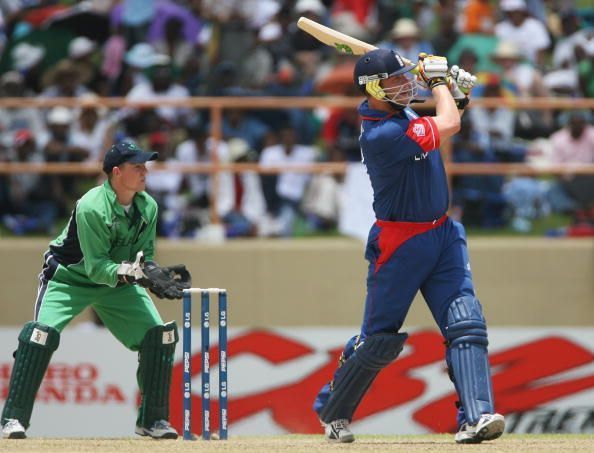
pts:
pixel 406 171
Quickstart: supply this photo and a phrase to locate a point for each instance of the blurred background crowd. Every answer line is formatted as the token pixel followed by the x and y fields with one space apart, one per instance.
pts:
pixel 160 49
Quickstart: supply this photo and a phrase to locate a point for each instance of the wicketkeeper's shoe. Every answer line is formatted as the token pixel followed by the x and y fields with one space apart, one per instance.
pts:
pixel 161 429
pixel 489 427
pixel 338 431
pixel 13 429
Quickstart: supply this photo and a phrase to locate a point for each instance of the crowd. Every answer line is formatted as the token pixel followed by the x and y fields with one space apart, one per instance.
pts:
pixel 159 49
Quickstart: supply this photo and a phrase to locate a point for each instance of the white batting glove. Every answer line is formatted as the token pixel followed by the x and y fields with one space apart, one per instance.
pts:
pixel 461 82
pixel 433 70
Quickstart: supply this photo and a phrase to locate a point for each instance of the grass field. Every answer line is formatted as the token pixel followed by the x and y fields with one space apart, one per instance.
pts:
pixel 310 444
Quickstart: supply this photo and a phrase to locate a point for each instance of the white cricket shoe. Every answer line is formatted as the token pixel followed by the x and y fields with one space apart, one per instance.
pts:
pixel 161 429
pixel 489 427
pixel 13 429
pixel 338 431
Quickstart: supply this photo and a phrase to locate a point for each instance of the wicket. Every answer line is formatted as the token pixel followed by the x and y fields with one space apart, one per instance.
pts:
pixel 205 348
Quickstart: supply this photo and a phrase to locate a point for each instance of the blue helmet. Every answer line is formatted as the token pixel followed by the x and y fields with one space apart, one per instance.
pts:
pixel 378 65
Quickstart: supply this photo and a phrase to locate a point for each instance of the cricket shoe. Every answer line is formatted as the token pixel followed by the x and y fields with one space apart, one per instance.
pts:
pixel 161 429
pixel 338 431
pixel 489 427
pixel 13 429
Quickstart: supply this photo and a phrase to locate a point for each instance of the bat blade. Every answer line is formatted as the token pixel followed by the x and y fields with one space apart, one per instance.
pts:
pixel 342 43
pixel 333 38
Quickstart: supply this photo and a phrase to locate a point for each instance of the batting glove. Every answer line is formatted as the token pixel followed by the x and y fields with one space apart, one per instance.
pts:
pixel 433 70
pixel 462 82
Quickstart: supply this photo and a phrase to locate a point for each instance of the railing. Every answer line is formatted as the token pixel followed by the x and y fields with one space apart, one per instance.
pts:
pixel 216 105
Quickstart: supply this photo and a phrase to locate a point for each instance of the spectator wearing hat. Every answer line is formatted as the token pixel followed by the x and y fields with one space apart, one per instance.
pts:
pixel 63 80
pixel 528 34
pixel 31 207
pixel 525 81
pixel 57 146
pixel 28 60
pixel 81 51
pixel 405 39
pixel 12 84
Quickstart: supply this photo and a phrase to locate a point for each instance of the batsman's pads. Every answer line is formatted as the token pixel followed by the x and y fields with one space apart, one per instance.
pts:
pixel 37 343
pixel 468 363
pixel 154 373
pixel 356 374
pixel 433 70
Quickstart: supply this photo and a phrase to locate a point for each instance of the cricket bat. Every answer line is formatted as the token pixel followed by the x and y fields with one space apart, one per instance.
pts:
pixel 341 42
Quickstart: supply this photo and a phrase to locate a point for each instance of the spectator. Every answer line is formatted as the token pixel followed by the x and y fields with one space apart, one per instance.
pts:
pixel 174 44
pixel 57 146
pixel 63 80
pixel 28 60
pixel 164 186
pixel 247 207
pixel 524 81
pixel 199 148
pixel 405 39
pixel 80 52
pixel 17 118
pixel 237 123
pixel 495 127
pixel 478 17
pixel 92 128
pixel 477 199
pixel 32 208
pixel 447 34
pixel 163 86
pixel 574 144
pixel 284 198
pixel 527 33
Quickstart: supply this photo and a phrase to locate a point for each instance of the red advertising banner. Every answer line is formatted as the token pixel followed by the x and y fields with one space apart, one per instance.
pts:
pixel 543 381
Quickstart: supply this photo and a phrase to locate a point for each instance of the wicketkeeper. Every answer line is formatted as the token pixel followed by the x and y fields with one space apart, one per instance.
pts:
pixel 104 258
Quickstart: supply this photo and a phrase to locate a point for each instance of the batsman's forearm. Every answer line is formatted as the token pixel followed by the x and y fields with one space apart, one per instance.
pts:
pixel 446 116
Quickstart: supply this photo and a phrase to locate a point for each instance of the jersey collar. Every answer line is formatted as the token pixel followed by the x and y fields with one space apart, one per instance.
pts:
pixel 367 113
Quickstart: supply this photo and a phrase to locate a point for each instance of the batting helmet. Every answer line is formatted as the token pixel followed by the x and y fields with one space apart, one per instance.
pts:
pixel 378 65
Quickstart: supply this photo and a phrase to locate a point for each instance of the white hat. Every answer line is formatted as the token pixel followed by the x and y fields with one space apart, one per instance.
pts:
pixel 507 49
pixel 60 115
pixel 25 56
pixel 405 28
pixel 143 55
pixel 513 5
pixel 270 32
pixel 314 6
pixel 80 46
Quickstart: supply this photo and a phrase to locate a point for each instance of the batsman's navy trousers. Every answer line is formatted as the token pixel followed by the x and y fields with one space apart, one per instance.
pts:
pixel 403 258
pixel 407 256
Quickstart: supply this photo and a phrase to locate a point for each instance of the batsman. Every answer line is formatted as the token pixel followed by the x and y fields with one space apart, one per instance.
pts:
pixel 413 245
pixel 104 258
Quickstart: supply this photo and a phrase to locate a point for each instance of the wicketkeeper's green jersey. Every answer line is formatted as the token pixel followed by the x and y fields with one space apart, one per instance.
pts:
pixel 81 265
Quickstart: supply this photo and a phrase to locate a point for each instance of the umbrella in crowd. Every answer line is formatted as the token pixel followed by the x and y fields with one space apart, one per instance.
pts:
pixel 81 19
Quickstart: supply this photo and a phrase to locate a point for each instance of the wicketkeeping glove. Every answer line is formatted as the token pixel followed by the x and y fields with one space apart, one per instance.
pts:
pixel 162 282
pixel 433 70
